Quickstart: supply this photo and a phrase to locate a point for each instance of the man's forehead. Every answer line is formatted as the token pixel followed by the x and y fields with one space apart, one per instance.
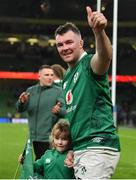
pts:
pixel 47 71
pixel 69 35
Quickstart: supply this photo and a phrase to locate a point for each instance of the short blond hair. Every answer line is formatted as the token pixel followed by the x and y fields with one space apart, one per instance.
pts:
pixel 60 129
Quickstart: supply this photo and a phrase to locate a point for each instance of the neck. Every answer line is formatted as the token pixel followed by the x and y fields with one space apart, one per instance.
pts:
pixel 74 63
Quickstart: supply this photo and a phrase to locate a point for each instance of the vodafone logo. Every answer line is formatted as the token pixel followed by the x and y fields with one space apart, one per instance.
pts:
pixel 69 97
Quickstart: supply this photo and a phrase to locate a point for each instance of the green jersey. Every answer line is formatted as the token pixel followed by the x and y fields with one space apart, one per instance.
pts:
pixel 89 107
pixel 52 166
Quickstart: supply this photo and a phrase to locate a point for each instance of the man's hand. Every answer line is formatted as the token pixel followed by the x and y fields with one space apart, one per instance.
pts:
pixel 69 161
pixel 96 20
pixel 24 97
pixel 56 108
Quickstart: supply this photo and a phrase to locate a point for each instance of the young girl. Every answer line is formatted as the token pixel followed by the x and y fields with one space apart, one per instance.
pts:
pixel 51 164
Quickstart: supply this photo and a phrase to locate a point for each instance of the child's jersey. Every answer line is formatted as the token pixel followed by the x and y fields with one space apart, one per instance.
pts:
pixel 51 166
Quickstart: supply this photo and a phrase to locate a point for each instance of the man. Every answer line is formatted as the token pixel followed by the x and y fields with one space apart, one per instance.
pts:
pixel 89 109
pixel 45 104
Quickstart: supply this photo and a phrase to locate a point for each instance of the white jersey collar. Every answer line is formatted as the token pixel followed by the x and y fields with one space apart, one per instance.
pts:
pixel 82 55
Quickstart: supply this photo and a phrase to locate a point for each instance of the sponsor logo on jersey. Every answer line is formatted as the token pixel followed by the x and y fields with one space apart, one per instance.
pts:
pixel 69 97
pixel 76 77
pixel 71 108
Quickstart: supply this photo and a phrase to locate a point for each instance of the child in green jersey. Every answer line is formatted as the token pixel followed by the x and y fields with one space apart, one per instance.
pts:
pixel 51 165
pixel 52 162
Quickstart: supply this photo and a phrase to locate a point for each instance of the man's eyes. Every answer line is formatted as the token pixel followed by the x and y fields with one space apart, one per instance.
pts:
pixel 59 45
pixel 67 42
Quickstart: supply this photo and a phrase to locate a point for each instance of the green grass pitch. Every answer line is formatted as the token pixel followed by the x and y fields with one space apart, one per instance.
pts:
pixel 14 136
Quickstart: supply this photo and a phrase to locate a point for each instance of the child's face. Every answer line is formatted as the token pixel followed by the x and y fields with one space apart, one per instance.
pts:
pixel 61 144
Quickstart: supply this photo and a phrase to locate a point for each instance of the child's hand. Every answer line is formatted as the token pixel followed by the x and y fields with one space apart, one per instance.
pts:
pixel 21 159
pixel 69 161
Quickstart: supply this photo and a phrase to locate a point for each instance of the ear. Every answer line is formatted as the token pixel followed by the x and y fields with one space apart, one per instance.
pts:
pixel 81 43
pixel 39 76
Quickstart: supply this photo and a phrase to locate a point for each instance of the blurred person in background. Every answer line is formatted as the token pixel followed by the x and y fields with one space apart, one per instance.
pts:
pixel 44 104
pixel 59 72
pixel 86 89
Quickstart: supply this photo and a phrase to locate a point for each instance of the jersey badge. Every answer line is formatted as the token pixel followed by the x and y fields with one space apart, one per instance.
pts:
pixel 76 77
pixel 64 85
pixel 47 160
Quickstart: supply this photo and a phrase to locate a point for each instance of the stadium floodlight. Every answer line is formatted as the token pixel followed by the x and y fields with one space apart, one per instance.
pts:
pixel 32 41
pixel 13 40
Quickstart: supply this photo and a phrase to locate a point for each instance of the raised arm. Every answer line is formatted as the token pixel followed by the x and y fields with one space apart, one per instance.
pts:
pixel 22 102
pixel 103 55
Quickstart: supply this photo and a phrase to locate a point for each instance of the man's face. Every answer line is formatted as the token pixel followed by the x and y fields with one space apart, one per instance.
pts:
pixel 69 46
pixel 46 77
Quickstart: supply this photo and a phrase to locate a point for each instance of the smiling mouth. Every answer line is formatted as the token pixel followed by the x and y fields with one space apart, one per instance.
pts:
pixel 60 146
pixel 66 55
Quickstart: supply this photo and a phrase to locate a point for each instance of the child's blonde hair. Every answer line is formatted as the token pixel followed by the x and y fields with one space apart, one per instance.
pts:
pixel 60 129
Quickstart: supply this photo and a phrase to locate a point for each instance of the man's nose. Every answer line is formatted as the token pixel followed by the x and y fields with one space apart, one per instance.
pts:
pixel 65 47
pixel 50 77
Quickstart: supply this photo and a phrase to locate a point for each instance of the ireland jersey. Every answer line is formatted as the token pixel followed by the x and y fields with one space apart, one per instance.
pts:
pixel 89 107
pixel 52 166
